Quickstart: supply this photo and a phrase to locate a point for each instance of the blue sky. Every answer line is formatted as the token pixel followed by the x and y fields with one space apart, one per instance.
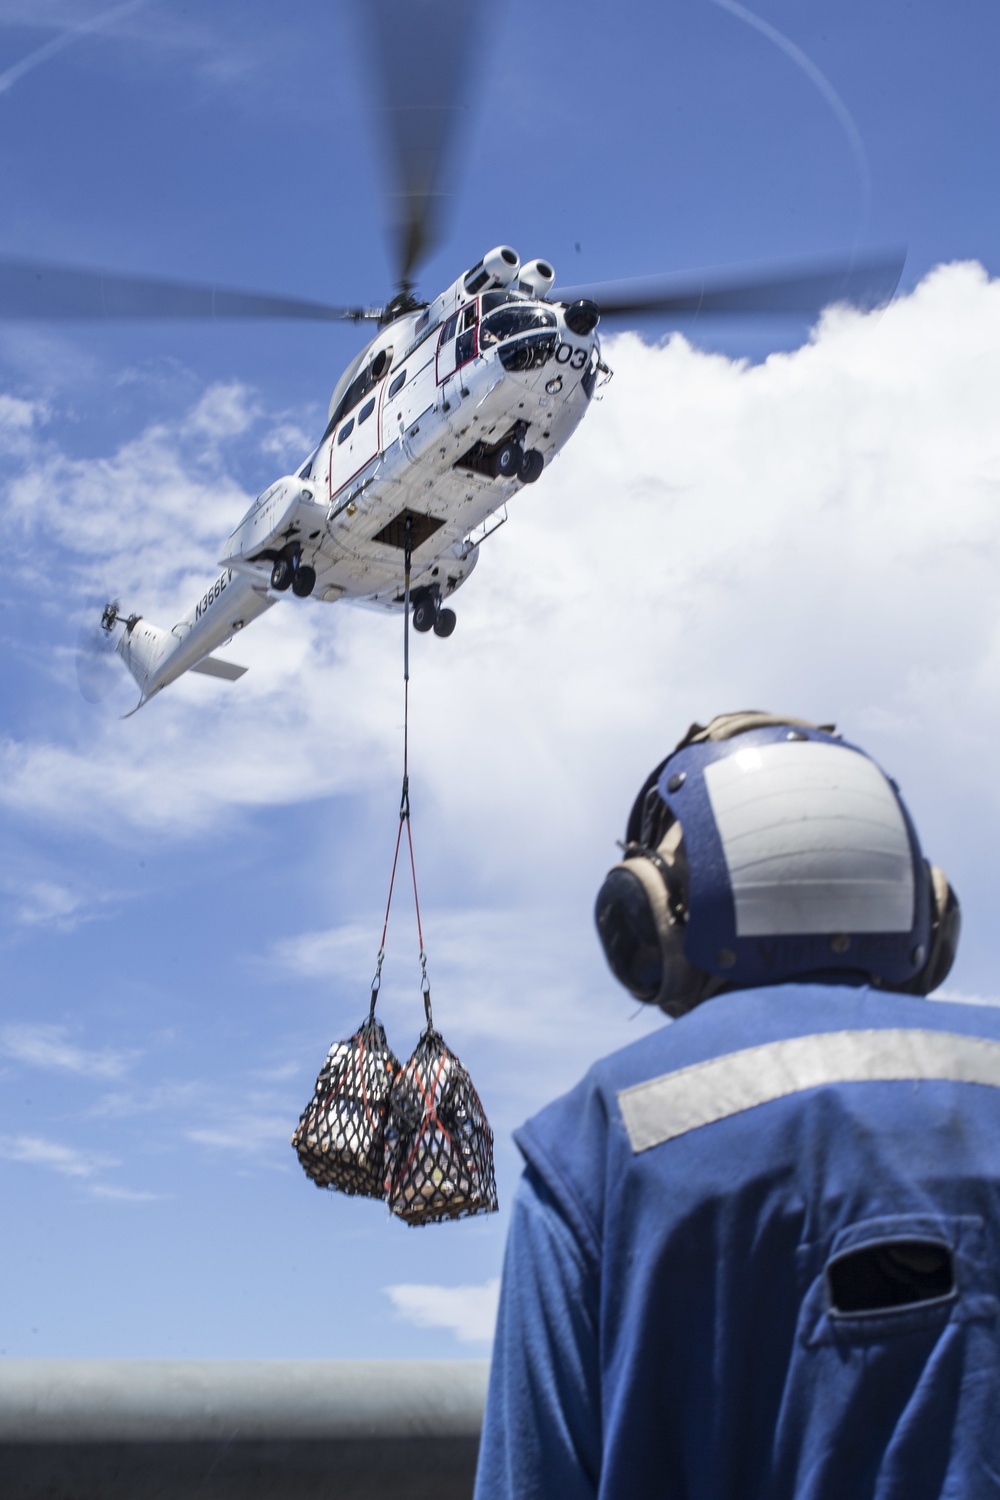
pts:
pixel 190 901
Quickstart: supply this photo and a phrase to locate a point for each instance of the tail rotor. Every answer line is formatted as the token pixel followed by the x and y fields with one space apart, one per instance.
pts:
pixel 97 640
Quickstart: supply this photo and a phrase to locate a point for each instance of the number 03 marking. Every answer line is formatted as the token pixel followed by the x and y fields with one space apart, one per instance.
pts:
pixel 567 355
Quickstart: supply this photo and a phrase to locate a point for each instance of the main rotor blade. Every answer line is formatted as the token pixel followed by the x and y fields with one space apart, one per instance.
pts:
pixel 803 289
pixel 421 54
pixel 32 289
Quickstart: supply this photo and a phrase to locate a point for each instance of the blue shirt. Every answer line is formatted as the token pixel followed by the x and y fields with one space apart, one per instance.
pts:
pixel 757 1254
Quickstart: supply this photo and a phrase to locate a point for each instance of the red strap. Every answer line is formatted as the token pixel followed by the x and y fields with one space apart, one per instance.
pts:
pixel 392 882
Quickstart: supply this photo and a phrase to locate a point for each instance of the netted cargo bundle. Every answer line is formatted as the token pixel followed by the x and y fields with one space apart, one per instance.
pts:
pixel 340 1138
pixel 439 1145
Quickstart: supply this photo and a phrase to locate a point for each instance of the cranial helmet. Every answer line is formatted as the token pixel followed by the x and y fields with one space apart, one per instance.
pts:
pixel 765 849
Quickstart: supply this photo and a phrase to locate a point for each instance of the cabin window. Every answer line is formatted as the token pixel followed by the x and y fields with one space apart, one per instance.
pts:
pixel 366 411
pixel 396 384
pixel 448 331
pixel 469 317
pixel 345 431
pixel 465 346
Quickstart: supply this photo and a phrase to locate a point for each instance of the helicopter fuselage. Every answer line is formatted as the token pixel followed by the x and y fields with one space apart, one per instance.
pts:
pixel 448 412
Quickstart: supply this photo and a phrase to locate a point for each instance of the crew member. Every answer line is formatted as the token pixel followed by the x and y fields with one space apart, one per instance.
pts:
pixel 757 1253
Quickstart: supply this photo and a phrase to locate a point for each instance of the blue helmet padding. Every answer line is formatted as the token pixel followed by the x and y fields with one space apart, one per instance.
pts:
pixel 711 941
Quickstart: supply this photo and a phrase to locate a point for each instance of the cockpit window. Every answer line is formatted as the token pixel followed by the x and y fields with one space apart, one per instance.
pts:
pixel 366 380
pixel 358 388
pixel 493 300
pixel 508 320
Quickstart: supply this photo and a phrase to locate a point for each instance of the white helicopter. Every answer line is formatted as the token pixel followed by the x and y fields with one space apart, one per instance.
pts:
pixel 448 411
pixel 451 408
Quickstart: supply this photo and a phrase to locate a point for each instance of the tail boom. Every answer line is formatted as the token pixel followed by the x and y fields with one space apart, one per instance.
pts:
pixel 156 657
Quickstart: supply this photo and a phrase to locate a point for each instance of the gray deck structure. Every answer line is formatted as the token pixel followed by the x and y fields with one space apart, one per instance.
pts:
pixel 239 1430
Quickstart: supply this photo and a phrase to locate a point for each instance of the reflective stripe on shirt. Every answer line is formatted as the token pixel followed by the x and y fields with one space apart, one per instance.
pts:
pixel 678 1102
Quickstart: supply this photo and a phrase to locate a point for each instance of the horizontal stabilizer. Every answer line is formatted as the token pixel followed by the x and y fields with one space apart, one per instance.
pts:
pixel 212 666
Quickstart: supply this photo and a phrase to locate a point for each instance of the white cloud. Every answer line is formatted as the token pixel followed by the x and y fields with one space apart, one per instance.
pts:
pixel 520 992
pixel 49 1047
pixel 247 1132
pixel 515 971
pixel 36 1151
pixel 244 1121
pixel 816 533
pixel 247 1115
pixel 137 21
pixel 469 1312
pixel 229 1114
pixel 171 1097
pixel 288 441
pixel 157 509
pixel 224 411
pixel 345 951
pixel 45 903
pixel 19 420
pixel 84 1167
pixel 49 903
pixel 278 1072
pixel 114 1194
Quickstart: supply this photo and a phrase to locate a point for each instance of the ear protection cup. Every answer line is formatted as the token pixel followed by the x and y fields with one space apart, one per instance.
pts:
pixel 629 933
pixel 640 914
pixel 946 927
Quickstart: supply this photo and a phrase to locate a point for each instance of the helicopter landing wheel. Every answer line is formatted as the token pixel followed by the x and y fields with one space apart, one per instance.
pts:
pixel 304 582
pixel 282 574
pixel 532 464
pixel 507 461
pixel 424 614
pixel 445 622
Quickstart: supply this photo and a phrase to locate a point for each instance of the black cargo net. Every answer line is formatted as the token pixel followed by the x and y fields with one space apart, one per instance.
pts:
pixel 439 1145
pixel 340 1138
pixel 416 1136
